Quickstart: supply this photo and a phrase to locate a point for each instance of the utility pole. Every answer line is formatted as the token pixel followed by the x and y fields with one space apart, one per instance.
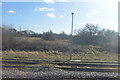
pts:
pixel 71 38
pixel 20 28
pixel 20 34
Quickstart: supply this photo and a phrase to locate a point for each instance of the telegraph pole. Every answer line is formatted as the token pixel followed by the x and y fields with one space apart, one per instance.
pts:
pixel 71 50
pixel 20 28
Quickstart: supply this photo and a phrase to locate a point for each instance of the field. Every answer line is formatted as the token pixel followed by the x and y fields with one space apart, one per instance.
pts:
pixel 85 59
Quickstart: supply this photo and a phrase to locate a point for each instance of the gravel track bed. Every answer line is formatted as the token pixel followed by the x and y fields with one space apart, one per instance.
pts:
pixel 56 74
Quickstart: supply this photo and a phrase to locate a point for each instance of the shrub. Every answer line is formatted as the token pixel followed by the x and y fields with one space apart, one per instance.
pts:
pixel 48 36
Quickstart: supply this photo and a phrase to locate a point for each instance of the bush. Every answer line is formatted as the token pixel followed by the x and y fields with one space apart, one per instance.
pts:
pixel 48 36
pixel 8 38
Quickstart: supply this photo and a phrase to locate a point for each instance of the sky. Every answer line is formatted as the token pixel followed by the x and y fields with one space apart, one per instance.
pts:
pixel 56 16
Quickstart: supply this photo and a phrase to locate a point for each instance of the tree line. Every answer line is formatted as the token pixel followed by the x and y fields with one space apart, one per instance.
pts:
pixel 90 34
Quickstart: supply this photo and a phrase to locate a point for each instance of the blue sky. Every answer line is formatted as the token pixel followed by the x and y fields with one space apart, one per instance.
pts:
pixel 56 16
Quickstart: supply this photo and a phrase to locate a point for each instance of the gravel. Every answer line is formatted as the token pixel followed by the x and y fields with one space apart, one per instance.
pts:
pixel 59 74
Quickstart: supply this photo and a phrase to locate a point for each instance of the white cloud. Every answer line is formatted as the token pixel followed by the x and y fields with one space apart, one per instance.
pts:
pixel 82 24
pixel 63 0
pixel 36 25
pixel 94 22
pixel 110 25
pixel 11 11
pixel 43 9
pixel 91 14
pixel 0 4
pixel 61 16
pixel 49 1
pixel 51 15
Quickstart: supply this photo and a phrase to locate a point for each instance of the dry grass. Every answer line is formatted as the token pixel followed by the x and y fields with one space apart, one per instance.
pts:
pixel 57 50
pixel 55 55
pixel 46 58
pixel 33 55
